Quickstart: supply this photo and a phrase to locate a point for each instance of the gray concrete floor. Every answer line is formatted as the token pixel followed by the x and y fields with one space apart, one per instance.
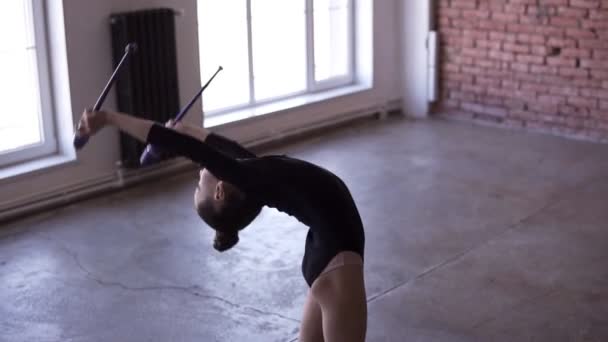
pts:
pixel 473 234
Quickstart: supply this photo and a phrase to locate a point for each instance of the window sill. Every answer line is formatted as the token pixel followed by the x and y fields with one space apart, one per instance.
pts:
pixel 282 105
pixel 39 165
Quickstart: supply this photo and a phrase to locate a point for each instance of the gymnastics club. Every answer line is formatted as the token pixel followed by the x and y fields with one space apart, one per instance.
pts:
pixel 153 154
pixel 81 140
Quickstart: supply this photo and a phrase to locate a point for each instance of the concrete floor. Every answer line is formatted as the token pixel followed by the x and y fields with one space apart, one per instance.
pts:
pixel 473 234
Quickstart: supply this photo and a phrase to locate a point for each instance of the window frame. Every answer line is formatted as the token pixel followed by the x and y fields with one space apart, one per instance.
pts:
pixel 312 86
pixel 48 145
pixel 334 82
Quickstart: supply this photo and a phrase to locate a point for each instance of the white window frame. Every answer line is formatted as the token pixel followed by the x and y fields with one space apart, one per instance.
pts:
pixel 312 86
pixel 316 86
pixel 48 145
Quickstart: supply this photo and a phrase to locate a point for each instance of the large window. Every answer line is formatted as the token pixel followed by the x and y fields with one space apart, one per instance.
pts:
pixel 273 49
pixel 26 126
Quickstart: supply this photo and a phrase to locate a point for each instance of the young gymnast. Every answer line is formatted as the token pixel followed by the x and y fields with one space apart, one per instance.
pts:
pixel 234 184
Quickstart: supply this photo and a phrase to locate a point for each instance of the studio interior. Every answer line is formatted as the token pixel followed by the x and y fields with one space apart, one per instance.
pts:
pixel 304 170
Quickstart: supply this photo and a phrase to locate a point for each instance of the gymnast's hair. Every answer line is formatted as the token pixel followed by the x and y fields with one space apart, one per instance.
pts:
pixel 235 213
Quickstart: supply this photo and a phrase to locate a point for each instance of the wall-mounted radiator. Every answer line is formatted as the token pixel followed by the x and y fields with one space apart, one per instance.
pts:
pixel 148 88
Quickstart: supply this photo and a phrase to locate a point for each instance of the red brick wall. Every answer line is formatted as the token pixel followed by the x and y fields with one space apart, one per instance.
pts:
pixel 517 63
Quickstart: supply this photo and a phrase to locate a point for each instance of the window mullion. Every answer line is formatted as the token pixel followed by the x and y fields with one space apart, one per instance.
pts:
pixel 44 82
pixel 351 40
pixel 310 46
pixel 250 54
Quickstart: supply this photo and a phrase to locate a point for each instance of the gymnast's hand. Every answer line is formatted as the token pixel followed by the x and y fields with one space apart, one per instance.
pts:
pixel 91 122
pixel 178 126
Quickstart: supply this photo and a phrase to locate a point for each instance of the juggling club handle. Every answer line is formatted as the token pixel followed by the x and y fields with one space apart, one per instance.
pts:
pixel 153 154
pixel 81 140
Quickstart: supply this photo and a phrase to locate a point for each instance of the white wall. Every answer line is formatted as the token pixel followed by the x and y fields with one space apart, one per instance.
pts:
pixel 89 63
pixel 415 26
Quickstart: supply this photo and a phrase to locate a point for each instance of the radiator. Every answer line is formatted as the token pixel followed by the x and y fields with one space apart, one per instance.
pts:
pixel 148 87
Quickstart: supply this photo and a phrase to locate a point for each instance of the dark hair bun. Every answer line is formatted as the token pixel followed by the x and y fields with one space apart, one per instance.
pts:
pixel 225 241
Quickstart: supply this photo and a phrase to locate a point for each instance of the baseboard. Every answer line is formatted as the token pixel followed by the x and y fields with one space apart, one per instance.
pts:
pixel 119 180
pixel 316 128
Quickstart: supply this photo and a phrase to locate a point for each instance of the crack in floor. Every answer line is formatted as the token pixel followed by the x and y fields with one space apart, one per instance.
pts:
pixel 520 304
pixel 550 203
pixel 191 290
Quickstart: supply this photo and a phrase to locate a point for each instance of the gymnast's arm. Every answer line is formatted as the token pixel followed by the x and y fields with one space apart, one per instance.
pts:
pixel 218 163
pixel 194 131
pixel 228 146
pixel 218 142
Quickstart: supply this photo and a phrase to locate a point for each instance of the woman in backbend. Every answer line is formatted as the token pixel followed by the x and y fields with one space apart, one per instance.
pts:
pixel 235 184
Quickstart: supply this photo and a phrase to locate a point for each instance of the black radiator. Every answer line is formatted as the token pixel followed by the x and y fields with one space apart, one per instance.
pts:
pixel 147 88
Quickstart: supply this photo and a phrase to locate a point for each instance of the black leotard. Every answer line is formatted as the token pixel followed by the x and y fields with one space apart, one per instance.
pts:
pixel 313 195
